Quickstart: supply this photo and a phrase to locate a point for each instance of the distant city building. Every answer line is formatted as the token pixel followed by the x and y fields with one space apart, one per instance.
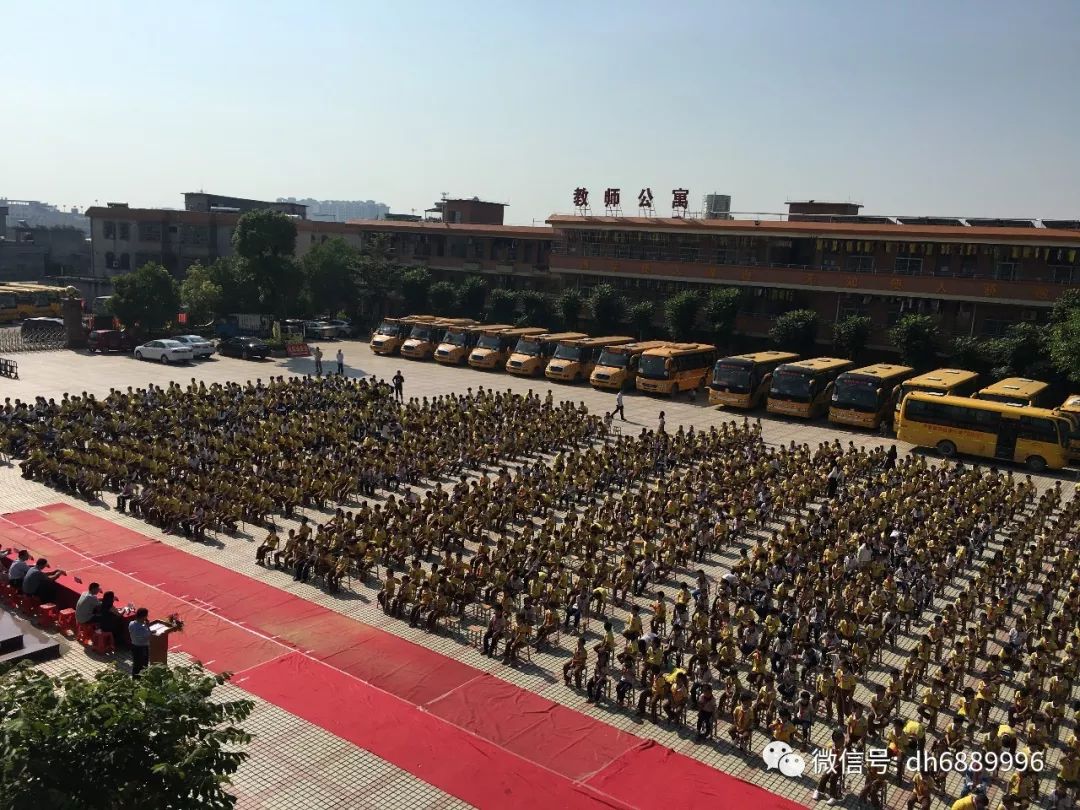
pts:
pixel 43 215
pixel 340 210
pixel 207 203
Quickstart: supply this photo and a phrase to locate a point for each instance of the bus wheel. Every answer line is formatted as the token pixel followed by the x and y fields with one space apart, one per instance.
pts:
pixel 1036 464
pixel 946 448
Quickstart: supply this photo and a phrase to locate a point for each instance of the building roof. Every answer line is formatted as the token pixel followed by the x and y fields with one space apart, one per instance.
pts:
pixel 429 227
pixel 967 233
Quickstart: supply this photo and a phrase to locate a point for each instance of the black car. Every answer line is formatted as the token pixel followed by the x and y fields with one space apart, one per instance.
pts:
pixel 245 347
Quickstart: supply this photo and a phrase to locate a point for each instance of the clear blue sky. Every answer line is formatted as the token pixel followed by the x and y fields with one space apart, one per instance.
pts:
pixel 914 107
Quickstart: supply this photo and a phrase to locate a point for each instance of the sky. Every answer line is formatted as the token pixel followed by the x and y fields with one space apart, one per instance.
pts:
pixel 920 107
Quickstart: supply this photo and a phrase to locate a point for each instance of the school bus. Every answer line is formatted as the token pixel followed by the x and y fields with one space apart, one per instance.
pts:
pixel 575 360
pixel 1070 409
pixel 460 340
pixel 954 382
pixel 866 397
pixel 616 368
pixel 494 347
pixel 1016 391
pixel 392 332
pixel 675 367
pixel 804 388
pixel 741 381
pixel 1036 437
pixel 532 352
pixel 425 337
pixel 26 299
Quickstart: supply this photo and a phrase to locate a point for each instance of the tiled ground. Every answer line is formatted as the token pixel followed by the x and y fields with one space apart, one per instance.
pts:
pixel 343 776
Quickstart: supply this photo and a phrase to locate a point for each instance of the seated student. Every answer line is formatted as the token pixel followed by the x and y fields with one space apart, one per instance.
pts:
pixel 677 697
pixel 385 596
pixel 626 683
pixel 742 722
pixel 597 682
pixel 575 667
pixel 549 626
pixel 38 583
pixel 656 692
pixel 520 638
pixel 269 544
pixel 706 709
pixel 495 629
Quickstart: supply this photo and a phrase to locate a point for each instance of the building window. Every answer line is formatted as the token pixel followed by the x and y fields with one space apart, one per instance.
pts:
pixel 110 260
pixel 1005 271
pixel 149 232
pixel 908 265
pixel 1065 275
pixel 124 230
pixel 995 327
pixel 110 230
pixel 860 264
pixel 125 261
pixel 830 261
pixel 173 229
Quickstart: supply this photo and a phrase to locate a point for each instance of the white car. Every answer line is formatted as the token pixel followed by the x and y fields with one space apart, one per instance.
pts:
pixel 200 346
pixel 166 351
pixel 320 330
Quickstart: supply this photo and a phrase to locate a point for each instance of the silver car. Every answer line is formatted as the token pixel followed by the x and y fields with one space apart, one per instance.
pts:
pixel 165 351
pixel 200 346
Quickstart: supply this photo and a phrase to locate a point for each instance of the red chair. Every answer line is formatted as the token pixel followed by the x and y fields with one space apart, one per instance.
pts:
pixel 84 634
pixel 66 621
pixel 47 616
pixel 27 605
pixel 103 642
pixel 8 592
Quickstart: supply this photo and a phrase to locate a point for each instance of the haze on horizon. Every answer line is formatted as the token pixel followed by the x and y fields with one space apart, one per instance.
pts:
pixel 958 108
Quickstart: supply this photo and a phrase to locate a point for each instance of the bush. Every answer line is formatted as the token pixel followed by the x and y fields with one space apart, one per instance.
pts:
pixel 796 331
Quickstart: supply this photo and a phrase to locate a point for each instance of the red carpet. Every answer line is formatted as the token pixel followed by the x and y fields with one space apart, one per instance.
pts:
pixel 471 734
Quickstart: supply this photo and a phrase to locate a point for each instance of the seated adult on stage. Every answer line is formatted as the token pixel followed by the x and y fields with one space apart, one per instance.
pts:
pixel 107 618
pixel 18 569
pixel 38 583
pixel 88 603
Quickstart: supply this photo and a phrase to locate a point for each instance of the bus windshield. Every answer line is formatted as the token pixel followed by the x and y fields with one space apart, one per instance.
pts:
pixel 420 332
pixel 568 353
pixel 391 329
pixel 733 376
pixel 1007 399
pixel 653 367
pixel 528 346
pixel 613 359
pixel 458 338
pixel 797 386
pixel 857 394
pixel 488 342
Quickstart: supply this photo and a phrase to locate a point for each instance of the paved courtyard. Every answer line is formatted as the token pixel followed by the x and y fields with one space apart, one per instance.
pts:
pixel 295 764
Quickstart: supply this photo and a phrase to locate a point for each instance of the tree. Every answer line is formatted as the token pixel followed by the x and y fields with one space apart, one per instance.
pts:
pixel 680 314
pixel 851 334
pixel 471 296
pixel 502 306
pixel 1064 307
pixel 239 292
pixel 721 307
pixel 331 275
pixel 114 742
pixel 1064 345
pixel 608 308
pixel 444 296
pixel 537 308
pixel 265 241
pixel 1021 352
pixel 569 305
pixel 796 331
pixel 146 299
pixel 972 353
pixel 917 337
pixel 375 274
pixel 641 316
pixel 415 289
pixel 201 294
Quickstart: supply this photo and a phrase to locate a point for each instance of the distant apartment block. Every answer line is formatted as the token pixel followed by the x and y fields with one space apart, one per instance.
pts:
pixel 43 215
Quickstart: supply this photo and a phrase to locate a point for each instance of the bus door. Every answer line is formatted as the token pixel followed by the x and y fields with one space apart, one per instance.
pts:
pixel 1008 429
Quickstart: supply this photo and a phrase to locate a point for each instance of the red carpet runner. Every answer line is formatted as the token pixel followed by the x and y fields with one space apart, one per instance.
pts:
pixel 468 733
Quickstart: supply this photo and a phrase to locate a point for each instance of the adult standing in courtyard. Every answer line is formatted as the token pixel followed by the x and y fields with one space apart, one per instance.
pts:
pixel 399 384
pixel 340 362
pixel 619 409
pixel 318 361
pixel 139 630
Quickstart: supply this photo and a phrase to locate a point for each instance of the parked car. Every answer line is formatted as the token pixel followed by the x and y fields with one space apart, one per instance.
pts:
pixel 200 346
pixel 344 328
pixel 245 347
pixel 165 351
pixel 110 340
pixel 319 330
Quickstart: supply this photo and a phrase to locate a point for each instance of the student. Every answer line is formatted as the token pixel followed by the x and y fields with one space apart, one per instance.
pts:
pixel 706 709
pixel 832 778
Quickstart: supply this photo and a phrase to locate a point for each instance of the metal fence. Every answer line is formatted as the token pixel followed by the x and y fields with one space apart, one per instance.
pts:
pixel 15 339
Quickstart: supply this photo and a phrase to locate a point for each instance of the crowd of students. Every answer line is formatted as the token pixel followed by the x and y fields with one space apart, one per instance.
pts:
pixel 856 599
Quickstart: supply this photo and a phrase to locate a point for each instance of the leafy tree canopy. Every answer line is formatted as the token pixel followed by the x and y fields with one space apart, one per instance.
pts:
pixel 331 274
pixel 641 317
pixel 570 304
pixel 680 314
pixel 608 308
pixel 146 299
pixel 850 335
pixel 721 308
pixel 201 294
pixel 796 331
pixel 917 337
pixel 415 286
pixel 502 306
pixel 445 299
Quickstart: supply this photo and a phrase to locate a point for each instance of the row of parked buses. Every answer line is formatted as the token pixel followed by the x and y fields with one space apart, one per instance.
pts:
pixel 25 299
pixel 945 409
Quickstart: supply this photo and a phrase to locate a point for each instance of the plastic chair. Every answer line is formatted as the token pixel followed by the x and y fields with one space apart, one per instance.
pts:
pixel 84 634
pixel 104 643
pixel 27 605
pixel 66 621
pixel 47 616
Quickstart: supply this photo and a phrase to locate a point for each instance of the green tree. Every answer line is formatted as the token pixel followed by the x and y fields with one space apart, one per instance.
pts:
pixel 1021 352
pixel 444 296
pixel 201 294
pixel 917 337
pixel 537 308
pixel 721 308
pixel 415 289
pixel 331 276
pixel 1064 344
pixel 114 742
pixel 569 304
pixel 641 316
pixel 239 293
pixel 796 331
pixel 472 292
pixel 265 241
pixel 850 335
pixel 1066 304
pixel 147 299
pixel 608 309
pixel 971 353
pixel 502 306
pixel 375 278
pixel 681 313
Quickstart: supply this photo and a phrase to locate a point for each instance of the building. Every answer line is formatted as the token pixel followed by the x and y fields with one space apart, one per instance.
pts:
pixel 340 210
pixel 207 203
pixel 717 206
pixel 474 211
pixel 21 259
pixel 44 215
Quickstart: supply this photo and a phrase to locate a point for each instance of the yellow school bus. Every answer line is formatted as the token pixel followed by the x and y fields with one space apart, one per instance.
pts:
pixel 575 360
pixel 27 299
pixel 741 381
pixel 804 388
pixel 425 337
pixel 531 355
pixel 1016 391
pixel 616 368
pixel 1070 409
pixel 675 367
pixel 866 397
pixel 953 382
pixel 493 348
pixel 392 333
pixel 1036 437
pixel 460 340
